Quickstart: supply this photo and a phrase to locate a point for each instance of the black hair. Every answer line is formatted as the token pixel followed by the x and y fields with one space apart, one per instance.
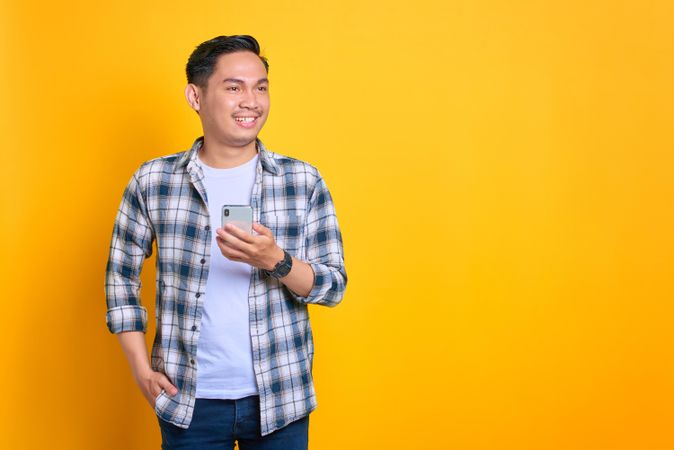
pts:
pixel 201 62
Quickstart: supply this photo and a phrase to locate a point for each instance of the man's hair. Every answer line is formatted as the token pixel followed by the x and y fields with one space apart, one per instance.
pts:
pixel 202 61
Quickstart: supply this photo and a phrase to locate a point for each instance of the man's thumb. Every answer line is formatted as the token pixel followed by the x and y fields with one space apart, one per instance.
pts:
pixel 169 388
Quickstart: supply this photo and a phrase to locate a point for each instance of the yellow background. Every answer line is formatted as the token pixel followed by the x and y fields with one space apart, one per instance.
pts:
pixel 503 177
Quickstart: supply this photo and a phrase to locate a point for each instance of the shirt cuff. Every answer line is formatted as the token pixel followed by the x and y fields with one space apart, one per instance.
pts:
pixel 322 284
pixel 127 318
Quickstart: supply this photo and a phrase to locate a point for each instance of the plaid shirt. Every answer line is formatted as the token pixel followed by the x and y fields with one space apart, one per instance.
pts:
pixel 165 200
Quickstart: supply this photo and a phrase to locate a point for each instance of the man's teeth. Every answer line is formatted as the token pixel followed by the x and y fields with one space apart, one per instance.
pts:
pixel 245 119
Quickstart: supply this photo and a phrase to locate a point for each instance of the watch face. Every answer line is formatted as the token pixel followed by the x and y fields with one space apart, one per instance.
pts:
pixel 283 268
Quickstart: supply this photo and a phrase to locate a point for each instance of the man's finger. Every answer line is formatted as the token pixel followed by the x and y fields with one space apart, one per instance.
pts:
pixel 261 229
pixel 233 240
pixel 228 250
pixel 239 233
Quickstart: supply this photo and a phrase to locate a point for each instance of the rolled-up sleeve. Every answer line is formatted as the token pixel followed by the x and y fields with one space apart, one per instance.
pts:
pixel 131 244
pixel 324 250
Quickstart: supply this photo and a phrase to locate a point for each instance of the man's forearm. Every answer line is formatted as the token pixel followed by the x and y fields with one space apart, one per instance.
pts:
pixel 133 344
pixel 300 279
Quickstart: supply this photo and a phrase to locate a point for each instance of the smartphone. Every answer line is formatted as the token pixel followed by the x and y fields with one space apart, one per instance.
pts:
pixel 239 215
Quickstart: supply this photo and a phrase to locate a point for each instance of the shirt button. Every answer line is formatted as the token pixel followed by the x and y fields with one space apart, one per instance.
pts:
pixel 203 260
pixel 198 295
pixel 194 327
pixel 192 361
pixel 207 227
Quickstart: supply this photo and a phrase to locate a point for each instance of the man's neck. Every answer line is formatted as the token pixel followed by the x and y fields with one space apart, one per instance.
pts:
pixel 219 156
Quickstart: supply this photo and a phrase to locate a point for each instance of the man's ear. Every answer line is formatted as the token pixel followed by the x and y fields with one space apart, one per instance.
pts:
pixel 192 94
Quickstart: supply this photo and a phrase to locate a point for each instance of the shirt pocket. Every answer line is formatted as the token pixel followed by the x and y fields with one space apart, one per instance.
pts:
pixel 288 231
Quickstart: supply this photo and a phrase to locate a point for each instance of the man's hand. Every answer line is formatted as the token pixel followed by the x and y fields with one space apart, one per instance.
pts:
pixel 259 251
pixel 151 384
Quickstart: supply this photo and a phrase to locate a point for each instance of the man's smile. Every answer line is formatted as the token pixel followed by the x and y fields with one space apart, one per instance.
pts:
pixel 246 121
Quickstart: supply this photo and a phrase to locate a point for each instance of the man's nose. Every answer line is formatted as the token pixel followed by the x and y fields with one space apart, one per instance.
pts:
pixel 249 99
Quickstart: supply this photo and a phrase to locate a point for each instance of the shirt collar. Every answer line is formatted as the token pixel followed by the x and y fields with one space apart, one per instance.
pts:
pixel 266 158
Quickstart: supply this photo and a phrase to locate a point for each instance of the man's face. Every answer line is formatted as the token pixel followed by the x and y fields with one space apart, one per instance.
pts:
pixel 235 105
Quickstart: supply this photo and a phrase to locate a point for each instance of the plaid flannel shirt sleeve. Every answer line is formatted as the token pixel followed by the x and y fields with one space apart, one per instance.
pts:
pixel 324 250
pixel 131 244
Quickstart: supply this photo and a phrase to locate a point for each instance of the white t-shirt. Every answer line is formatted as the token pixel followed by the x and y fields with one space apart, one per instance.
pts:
pixel 224 353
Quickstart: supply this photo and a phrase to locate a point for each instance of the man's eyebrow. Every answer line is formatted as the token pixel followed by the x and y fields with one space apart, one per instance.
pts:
pixel 236 80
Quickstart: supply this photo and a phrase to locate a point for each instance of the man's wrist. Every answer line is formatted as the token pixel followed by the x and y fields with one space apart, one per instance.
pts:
pixel 278 256
pixel 282 267
pixel 143 374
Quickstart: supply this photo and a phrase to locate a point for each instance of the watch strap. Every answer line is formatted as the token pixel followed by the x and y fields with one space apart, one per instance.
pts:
pixel 282 268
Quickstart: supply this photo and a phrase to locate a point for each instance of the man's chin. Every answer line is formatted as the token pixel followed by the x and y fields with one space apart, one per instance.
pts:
pixel 239 139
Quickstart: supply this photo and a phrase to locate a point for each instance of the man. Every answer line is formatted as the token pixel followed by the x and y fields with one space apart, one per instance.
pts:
pixel 233 355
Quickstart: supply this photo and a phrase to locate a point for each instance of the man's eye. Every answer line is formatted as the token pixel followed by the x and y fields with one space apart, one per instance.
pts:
pixel 232 88
pixel 263 88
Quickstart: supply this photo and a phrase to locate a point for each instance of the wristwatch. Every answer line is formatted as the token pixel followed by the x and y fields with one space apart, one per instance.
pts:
pixel 282 267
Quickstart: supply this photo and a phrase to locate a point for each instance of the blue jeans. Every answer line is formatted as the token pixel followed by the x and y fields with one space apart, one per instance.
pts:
pixel 216 424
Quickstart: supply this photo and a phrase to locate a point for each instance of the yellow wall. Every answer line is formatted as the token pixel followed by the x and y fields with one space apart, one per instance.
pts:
pixel 503 176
